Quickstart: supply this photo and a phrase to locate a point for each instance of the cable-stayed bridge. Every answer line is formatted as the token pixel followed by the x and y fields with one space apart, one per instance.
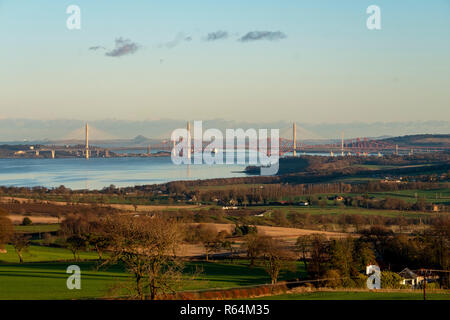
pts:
pixel 287 146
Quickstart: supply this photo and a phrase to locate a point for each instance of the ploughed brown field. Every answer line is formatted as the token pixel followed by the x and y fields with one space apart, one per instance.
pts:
pixel 279 232
pixel 18 218
pixel 288 235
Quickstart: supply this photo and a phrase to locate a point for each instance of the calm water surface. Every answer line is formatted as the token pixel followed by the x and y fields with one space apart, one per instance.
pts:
pixel 97 173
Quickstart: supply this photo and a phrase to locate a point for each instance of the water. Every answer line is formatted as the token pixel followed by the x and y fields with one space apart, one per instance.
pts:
pixel 97 173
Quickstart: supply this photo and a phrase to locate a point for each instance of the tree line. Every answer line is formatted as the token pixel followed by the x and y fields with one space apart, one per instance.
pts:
pixel 345 260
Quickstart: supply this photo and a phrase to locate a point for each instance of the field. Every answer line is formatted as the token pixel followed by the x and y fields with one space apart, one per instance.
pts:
pixel 280 232
pixel 47 280
pixel 347 210
pixel 43 276
pixel 39 219
pixel 36 228
pixel 357 295
pixel 122 204
pixel 41 253
pixel 438 196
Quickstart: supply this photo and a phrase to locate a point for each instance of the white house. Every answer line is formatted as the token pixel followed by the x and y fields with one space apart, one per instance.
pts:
pixel 410 278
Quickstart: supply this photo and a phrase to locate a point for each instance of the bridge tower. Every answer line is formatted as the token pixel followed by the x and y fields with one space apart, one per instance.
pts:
pixel 174 148
pixel 87 140
pixel 294 139
pixel 189 150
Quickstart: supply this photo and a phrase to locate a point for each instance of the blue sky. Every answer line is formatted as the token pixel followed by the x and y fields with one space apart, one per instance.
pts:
pixel 329 68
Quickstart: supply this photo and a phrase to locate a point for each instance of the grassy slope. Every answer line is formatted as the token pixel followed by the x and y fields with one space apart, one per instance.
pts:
pixel 443 195
pixel 435 196
pixel 440 195
pixel 345 295
pixel 347 210
pixel 47 280
pixel 38 228
pixel 41 253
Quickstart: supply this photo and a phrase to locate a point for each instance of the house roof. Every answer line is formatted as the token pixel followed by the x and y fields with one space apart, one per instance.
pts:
pixel 408 274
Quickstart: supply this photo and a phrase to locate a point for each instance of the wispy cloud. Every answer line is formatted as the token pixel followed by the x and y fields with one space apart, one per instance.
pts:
pixel 218 35
pixel 123 47
pixel 179 38
pixel 95 48
pixel 262 35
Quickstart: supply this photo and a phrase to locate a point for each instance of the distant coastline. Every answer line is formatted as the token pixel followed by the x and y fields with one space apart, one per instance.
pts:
pixel 63 152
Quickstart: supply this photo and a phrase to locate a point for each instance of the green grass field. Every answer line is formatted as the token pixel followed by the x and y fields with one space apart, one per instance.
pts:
pixel 439 196
pixel 375 166
pixel 47 281
pixel 358 295
pixel 35 228
pixel 41 254
pixel 40 279
pixel 45 278
pixel 347 210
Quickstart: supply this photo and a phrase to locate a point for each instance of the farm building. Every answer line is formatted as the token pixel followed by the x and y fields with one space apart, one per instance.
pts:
pixel 410 278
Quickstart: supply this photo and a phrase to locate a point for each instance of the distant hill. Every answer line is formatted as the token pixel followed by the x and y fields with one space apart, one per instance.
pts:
pixel 23 130
pixel 421 140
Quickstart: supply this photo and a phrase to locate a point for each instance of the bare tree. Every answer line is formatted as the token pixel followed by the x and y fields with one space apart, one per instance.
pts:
pixel 76 243
pixel 75 224
pixel 100 242
pixel 254 245
pixel 276 258
pixel 97 237
pixel 319 252
pixel 82 230
pixel 21 242
pixel 303 246
pixel 210 238
pixel 145 245
pixel 6 228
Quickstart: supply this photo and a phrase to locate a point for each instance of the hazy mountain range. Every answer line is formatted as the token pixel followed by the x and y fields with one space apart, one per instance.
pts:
pixel 19 130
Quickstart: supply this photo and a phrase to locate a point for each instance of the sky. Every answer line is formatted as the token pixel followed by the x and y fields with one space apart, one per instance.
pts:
pixel 267 60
